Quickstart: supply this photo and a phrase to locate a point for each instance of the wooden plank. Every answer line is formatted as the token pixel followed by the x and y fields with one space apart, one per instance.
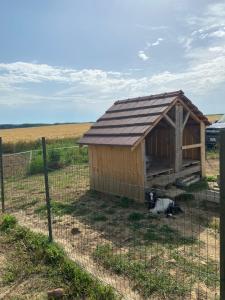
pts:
pixel 171 178
pixel 178 137
pixel 186 119
pixel 143 146
pixel 191 146
pixel 203 150
pixel 193 115
pixel 133 113
pixel 169 120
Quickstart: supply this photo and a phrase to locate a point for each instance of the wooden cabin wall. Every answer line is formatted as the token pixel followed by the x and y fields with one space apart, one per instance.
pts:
pixel 160 143
pixel 118 170
pixel 191 136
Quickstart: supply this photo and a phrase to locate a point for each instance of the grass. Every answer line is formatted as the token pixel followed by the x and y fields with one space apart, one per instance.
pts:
pixel 198 186
pixel 35 258
pixel 166 236
pixel 212 178
pixel 125 224
pixel 125 202
pixel 146 278
pixel 185 197
pixel 57 158
pixel 60 208
pixel 212 154
pixel 135 216
pixel 204 272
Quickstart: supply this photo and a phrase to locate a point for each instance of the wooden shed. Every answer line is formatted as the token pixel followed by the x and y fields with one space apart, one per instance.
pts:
pixel 146 141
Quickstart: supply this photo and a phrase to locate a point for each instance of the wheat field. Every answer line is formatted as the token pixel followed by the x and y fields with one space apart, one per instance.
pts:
pixel 50 132
pixel 214 118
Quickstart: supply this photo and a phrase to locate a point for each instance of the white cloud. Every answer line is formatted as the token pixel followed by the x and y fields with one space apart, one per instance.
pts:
pixel 216 49
pixel 142 55
pixel 219 33
pixel 96 89
pixel 156 43
pixel 152 28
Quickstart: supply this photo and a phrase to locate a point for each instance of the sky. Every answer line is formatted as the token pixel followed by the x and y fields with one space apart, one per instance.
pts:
pixel 68 61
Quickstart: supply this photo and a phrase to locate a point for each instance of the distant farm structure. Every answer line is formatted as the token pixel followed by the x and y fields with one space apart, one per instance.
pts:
pixel 142 142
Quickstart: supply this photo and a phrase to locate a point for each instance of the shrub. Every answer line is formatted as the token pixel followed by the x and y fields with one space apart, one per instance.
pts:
pixel 54 159
pixel 7 222
pixel 36 165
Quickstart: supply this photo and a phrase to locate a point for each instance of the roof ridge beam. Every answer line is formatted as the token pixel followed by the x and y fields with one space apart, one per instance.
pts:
pixel 151 97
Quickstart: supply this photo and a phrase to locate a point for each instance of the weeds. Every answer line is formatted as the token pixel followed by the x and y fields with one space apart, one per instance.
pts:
pixel 145 279
pixel 36 256
pixel 166 235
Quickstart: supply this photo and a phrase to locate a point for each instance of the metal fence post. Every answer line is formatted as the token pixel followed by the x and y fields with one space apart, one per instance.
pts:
pixel 2 177
pixel 222 215
pixel 48 201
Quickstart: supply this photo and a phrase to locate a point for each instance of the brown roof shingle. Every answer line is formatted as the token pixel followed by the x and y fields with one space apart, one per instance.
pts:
pixel 126 121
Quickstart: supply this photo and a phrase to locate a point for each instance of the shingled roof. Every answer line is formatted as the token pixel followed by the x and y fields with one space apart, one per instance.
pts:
pixel 127 121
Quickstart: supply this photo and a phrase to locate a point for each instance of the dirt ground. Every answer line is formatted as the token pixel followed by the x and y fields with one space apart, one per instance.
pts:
pixel 186 246
pixel 99 220
pixel 212 167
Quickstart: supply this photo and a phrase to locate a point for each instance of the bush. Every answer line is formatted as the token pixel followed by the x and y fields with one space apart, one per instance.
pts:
pixel 54 159
pixel 7 222
pixel 36 165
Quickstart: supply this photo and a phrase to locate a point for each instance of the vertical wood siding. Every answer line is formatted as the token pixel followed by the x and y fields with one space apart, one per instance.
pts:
pixel 117 170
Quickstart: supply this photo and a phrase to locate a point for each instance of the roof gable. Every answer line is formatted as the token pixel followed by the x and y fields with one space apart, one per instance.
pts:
pixel 127 121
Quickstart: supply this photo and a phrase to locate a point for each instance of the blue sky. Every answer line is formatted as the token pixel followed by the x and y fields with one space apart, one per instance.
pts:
pixel 70 60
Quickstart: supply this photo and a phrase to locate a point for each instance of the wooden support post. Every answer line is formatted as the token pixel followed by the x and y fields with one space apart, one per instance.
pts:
pixel 203 154
pixel 178 138
pixel 143 148
pixel 222 215
pixel 47 194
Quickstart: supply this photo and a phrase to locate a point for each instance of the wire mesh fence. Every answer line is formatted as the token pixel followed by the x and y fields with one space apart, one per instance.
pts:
pixel 142 255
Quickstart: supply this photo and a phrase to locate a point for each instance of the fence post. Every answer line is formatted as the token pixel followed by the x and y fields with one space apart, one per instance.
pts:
pixel 48 203
pixel 222 215
pixel 2 177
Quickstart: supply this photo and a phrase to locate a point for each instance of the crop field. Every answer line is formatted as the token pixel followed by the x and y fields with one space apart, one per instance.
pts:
pixel 25 139
pixel 51 132
pixel 214 118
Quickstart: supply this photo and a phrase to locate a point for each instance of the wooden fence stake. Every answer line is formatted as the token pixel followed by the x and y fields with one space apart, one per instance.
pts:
pixel 48 200
pixel 2 177
pixel 222 215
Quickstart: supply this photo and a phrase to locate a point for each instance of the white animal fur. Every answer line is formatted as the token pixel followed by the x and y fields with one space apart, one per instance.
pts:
pixel 161 205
